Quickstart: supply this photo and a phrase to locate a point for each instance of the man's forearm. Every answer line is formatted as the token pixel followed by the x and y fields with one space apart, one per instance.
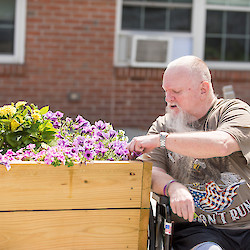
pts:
pixel 202 144
pixel 192 144
pixel 159 179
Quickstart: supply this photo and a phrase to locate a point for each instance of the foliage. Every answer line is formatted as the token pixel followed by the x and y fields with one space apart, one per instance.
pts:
pixel 21 125
pixel 44 136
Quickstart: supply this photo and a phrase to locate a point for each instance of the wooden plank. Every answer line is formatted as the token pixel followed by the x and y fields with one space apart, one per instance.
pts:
pixel 74 230
pixel 143 229
pixel 30 186
pixel 146 184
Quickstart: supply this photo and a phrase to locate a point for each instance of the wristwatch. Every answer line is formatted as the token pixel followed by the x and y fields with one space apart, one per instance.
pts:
pixel 163 136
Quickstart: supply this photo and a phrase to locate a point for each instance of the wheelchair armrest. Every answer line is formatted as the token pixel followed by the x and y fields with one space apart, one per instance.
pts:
pixel 161 199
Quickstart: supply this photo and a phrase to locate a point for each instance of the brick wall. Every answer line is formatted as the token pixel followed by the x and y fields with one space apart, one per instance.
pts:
pixel 69 51
pixel 240 80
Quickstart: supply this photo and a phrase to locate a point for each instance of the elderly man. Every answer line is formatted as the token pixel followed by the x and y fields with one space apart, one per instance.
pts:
pixel 200 151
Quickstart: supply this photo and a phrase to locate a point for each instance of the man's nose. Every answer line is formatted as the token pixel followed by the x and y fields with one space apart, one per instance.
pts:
pixel 169 97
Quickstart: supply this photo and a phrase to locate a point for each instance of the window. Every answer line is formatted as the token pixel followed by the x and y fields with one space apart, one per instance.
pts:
pixel 217 31
pixel 227 36
pixel 156 17
pixel 12 31
pixel 148 32
pixel 7 13
pixel 230 2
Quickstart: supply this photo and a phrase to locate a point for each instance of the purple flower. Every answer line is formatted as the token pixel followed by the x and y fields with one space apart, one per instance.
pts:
pixel 100 125
pixel 74 150
pixel 87 130
pixel 7 165
pixel 68 120
pixel 112 133
pixel 31 146
pixel 56 124
pixel 79 141
pixel 76 141
pixel 48 115
pixel 82 122
pixel 59 114
pixel 89 155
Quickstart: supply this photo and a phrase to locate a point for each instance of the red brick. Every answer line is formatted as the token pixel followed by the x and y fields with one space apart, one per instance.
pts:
pixel 69 48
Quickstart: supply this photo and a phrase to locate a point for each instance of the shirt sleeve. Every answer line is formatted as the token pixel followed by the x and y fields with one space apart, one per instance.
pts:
pixel 235 120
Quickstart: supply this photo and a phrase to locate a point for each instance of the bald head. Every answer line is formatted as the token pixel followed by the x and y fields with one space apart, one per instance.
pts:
pixel 187 83
pixel 193 66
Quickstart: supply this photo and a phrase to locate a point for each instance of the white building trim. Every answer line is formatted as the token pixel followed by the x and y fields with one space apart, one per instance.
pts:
pixel 199 27
pixel 19 35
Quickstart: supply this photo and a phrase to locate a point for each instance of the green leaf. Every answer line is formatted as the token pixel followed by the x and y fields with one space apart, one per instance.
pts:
pixel 29 109
pixel 25 112
pixel 26 140
pixel 44 110
pixel 52 142
pixel 1 141
pixel 44 125
pixel 13 140
pixel 34 134
pixel 48 135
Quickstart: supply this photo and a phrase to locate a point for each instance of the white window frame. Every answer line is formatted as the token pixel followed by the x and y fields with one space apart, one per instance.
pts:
pixel 199 33
pixel 19 35
pixel 131 33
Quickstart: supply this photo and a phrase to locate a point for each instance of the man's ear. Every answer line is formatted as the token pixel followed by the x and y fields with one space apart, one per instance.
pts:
pixel 204 89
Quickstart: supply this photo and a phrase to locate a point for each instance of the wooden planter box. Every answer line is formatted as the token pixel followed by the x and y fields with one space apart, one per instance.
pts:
pixel 101 205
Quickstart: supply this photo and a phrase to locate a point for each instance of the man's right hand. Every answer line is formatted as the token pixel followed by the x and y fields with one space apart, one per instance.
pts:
pixel 144 144
pixel 181 201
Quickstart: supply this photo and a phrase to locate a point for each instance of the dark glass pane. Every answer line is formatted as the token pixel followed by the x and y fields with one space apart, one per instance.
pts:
pixel 181 1
pixel 214 22
pixel 131 17
pixel 155 19
pixel 166 1
pixel 7 20
pixel 180 19
pixel 248 21
pixel 159 1
pixel 7 11
pixel 6 41
pixel 249 51
pixel 213 49
pixel 236 22
pixel 235 49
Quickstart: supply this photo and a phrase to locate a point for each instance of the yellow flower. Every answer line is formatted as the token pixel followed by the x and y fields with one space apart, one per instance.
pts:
pixel 7 110
pixel 36 115
pixel 20 103
pixel 14 124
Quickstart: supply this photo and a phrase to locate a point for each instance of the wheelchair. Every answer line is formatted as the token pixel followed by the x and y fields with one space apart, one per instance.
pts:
pixel 160 225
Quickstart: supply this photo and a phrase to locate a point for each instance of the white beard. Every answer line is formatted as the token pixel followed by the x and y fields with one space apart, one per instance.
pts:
pixel 179 122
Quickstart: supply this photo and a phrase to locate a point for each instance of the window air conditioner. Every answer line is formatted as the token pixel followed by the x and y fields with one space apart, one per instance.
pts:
pixel 150 52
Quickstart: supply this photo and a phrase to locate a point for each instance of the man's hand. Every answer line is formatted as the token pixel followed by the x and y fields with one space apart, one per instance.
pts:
pixel 181 201
pixel 144 144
